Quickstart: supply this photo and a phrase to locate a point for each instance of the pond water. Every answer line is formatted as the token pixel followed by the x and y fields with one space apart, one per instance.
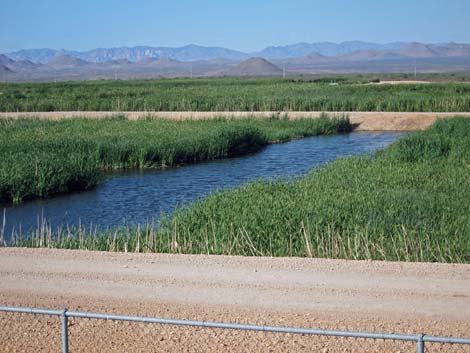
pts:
pixel 132 197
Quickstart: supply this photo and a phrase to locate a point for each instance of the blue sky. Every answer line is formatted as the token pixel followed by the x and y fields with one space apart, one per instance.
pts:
pixel 244 25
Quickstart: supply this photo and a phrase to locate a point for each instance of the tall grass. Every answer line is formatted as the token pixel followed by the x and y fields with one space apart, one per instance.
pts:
pixel 410 202
pixel 42 158
pixel 233 94
pixel 406 203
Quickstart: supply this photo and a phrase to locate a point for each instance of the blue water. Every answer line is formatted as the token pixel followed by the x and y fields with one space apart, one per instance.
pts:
pixel 132 197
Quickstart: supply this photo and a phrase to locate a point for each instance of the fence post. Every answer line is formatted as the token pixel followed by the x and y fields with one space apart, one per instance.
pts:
pixel 420 343
pixel 65 334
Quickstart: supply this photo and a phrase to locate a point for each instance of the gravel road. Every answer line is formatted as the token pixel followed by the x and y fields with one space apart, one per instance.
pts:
pixel 330 294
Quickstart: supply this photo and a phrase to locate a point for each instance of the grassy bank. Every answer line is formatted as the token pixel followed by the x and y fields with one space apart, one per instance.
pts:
pixel 42 158
pixel 234 94
pixel 408 203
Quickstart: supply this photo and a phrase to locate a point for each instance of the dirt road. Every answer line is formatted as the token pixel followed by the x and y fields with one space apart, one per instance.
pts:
pixel 364 121
pixel 334 294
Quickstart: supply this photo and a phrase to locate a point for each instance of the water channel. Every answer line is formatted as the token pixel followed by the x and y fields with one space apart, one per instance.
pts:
pixel 132 197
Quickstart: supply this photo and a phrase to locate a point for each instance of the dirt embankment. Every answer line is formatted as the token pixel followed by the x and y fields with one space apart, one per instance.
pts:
pixel 401 82
pixel 330 294
pixel 363 121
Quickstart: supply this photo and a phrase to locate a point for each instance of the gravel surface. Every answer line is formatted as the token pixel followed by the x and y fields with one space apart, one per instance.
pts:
pixel 364 121
pixel 313 293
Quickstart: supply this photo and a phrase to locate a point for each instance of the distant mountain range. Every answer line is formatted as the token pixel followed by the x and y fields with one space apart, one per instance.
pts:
pixel 300 58
pixel 323 48
pixel 195 52
pixel 186 53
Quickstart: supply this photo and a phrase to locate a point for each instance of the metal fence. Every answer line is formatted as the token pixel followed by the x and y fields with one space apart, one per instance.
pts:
pixel 419 339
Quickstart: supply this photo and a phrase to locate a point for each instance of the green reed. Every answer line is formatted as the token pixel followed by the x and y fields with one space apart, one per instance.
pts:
pixel 406 203
pixel 234 94
pixel 42 158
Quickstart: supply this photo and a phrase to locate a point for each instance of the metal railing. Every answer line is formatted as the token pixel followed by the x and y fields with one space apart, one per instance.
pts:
pixel 420 339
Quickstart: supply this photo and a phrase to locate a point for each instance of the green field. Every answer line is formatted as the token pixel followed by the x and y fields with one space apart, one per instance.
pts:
pixel 407 203
pixel 235 94
pixel 42 158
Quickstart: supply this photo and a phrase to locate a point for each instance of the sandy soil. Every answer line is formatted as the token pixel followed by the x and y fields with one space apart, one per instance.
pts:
pixel 363 121
pixel 330 294
pixel 402 82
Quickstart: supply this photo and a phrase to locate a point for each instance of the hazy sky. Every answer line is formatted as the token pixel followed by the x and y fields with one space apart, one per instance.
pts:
pixel 238 24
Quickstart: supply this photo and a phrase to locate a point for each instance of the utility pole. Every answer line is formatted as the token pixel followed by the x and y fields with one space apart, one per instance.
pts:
pixel 415 67
pixel 191 71
pixel 284 70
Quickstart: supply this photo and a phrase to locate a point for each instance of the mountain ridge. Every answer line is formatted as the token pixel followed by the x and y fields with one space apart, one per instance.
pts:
pixel 193 52
pixel 296 59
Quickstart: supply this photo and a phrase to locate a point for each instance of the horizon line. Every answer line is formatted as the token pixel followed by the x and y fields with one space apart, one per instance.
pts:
pixel 220 47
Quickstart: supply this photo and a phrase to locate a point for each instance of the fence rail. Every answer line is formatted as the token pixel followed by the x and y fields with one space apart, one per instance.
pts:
pixel 420 339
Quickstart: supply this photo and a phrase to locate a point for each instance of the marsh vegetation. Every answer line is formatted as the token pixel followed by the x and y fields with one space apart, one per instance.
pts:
pixel 39 159
pixel 406 203
pixel 235 94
